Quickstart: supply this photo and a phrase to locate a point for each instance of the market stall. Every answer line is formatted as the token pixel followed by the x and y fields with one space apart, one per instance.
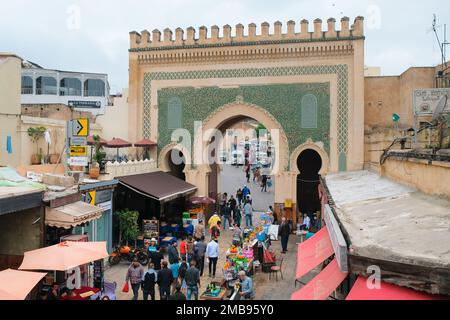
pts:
pixel 67 257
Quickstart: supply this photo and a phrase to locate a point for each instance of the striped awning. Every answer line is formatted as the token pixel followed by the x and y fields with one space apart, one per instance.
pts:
pixel 72 215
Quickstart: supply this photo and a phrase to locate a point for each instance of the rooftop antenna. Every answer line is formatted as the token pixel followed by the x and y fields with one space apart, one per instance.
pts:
pixel 440 109
pixel 442 46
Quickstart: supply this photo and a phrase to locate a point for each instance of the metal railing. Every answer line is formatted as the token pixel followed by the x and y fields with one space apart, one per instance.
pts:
pixel 94 93
pixel 69 92
pixel 47 91
pixel 27 90
pixel 432 156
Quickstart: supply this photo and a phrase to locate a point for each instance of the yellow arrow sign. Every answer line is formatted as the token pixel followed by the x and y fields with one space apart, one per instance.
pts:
pixel 81 127
pixel 90 197
pixel 78 151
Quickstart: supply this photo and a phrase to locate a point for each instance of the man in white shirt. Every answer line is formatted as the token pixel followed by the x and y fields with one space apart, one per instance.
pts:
pixel 212 253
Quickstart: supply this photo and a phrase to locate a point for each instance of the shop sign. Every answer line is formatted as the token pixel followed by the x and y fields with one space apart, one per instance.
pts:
pixel 78 141
pixel 78 151
pixel 426 100
pixel 85 104
pixel 78 161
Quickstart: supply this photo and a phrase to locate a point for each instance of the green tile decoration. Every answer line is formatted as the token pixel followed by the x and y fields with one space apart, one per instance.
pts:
pixel 283 101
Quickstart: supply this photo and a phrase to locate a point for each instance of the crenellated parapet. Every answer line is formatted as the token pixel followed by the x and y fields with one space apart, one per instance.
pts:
pixel 301 32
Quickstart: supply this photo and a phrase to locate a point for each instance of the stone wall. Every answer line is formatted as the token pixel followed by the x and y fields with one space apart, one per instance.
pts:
pixel 54 111
pixel 429 178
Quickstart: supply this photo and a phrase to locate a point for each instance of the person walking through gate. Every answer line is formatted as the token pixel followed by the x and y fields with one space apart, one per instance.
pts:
pixel 215 231
pixel 148 284
pixel 245 193
pixel 189 249
pixel 174 257
pixel 284 231
pixel 135 274
pixel 199 253
pixel 233 204
pixel 165 279
pixel 264 183
pixel 237 216
pixel 247 173
pixel 226 216
pixel 212 253
pixel 223 202
pixel 248 212
pixel 239 196
pixel 199 230
pixel 192 281
pixel 183 248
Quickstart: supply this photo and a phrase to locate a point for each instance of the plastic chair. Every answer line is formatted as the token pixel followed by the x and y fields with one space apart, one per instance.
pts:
pixel 275 269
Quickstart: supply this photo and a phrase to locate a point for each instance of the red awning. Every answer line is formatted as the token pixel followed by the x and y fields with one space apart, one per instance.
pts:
pixel 322 285
pixel 313 252
pixel 387 291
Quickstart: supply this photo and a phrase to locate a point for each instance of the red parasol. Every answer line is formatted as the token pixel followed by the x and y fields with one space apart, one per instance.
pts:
pixel 118 143
pixel 145 143
pixel 202 200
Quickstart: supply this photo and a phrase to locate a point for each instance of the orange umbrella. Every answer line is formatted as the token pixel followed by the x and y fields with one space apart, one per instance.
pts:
pixel 64 256
pixel 16 285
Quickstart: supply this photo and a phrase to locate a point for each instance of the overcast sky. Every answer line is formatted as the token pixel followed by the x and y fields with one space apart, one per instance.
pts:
pixel 92 35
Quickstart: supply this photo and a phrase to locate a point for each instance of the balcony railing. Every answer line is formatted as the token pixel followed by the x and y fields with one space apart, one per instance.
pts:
pixel 69 92
pixel 94 93
pixel 27 90
pixel 47 91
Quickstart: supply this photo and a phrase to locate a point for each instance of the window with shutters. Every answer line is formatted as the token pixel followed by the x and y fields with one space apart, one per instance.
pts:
pixel 309 112
pixel 174 113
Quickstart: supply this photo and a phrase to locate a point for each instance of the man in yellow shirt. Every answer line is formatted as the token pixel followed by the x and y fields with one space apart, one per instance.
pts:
pixel 213 220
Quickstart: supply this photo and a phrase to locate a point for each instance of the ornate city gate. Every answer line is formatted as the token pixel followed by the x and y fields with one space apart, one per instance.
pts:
pixel 307 86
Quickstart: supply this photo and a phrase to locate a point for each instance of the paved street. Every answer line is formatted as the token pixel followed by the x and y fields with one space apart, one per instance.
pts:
pixel 263 286
pixel 232 178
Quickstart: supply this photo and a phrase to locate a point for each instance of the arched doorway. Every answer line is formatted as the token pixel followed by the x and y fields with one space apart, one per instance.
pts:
pixel 222 119
pixel 309 163
pixel 176 163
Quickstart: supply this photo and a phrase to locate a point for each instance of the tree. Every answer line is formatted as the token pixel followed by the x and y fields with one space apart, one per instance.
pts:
pixel 128 224
pixel 36 134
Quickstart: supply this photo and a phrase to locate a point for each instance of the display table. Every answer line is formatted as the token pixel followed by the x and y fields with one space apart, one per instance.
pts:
pixel 222 296
pixel 80 292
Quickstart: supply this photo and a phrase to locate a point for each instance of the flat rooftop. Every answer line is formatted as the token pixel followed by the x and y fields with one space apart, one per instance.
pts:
pixel 387 221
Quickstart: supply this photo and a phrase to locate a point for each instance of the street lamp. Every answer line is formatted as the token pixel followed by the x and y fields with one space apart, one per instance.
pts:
pixel 411 132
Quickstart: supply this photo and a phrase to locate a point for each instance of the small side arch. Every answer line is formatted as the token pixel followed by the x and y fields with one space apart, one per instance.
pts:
pixel 316 146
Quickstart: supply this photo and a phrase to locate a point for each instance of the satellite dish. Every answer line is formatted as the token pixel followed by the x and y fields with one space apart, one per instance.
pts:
pixel 440 108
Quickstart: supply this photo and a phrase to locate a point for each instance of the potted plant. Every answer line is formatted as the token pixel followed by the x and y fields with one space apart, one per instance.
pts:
pixel 36 134
pixel 99 155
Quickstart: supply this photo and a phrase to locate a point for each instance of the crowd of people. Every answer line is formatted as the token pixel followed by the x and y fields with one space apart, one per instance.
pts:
pixel 178 276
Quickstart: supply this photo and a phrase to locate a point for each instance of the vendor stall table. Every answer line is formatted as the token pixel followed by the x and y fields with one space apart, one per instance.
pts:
pixel 80 293
pixel 222 296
